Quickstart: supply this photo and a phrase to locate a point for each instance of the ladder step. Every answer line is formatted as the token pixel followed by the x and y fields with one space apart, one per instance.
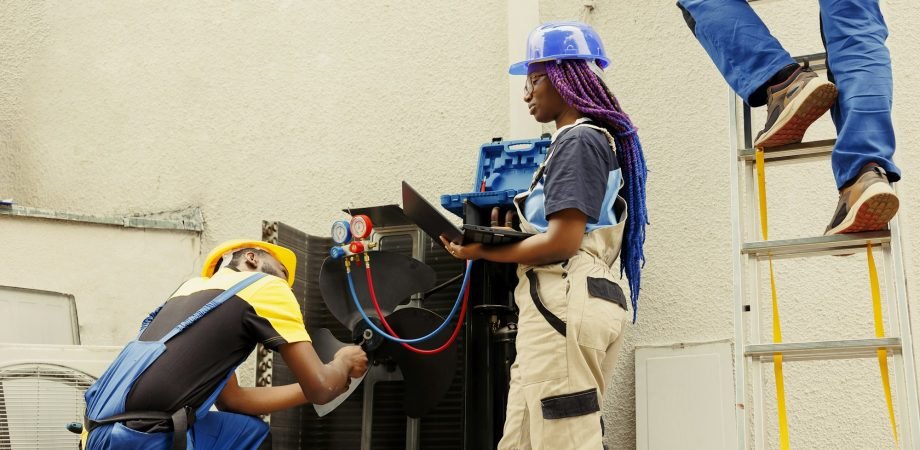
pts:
pixel 817 61
pixel 822 350
pixel 803 150
pixel 815 246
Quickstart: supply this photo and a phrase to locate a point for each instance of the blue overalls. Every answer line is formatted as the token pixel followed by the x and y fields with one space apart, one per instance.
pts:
pixel 199 430
pixel 854 34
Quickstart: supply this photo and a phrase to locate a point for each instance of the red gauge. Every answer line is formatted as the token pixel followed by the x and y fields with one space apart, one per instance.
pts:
pixel 361 226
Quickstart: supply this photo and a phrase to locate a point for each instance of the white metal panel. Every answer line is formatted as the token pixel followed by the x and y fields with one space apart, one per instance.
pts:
pixel 31 316
pixel 684 397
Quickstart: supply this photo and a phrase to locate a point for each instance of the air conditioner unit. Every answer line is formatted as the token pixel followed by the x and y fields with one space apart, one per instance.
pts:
pixel 373 416
pixel 41 390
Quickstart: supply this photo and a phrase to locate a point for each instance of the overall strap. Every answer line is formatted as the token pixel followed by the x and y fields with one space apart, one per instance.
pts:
pixel 220 299
pixel 154 313
pixel 538 175
pixel 148 320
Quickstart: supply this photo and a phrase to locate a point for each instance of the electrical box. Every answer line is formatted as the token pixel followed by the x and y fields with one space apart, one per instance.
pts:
pixel 685 397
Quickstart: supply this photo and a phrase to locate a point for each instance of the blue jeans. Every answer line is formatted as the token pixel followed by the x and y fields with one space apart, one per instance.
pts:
pixel 854 33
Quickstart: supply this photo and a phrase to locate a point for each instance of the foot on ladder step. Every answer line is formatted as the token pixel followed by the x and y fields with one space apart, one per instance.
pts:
pixel 866 205
pixel 793 105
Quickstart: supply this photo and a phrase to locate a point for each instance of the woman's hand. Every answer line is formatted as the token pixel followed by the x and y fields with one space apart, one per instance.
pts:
pixel 469 251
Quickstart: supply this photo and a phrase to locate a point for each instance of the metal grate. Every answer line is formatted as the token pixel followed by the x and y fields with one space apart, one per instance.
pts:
pixel 36 402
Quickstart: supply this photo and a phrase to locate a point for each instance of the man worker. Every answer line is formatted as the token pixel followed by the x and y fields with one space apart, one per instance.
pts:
pixel 158 392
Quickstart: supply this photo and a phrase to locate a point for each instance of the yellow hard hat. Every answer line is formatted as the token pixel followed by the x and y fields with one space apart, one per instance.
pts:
pixel 285 256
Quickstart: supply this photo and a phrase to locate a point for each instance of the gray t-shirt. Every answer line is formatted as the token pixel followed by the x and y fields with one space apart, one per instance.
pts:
pixel 577 171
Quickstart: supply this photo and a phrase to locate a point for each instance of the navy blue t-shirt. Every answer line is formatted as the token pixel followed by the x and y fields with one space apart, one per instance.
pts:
pixel 576 174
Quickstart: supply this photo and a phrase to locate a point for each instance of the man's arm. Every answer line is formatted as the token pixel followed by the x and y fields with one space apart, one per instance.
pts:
pixel 317 382
pixel 259 400
pixel 320 382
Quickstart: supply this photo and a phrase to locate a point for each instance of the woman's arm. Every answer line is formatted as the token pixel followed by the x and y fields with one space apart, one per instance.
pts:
pixel 561 241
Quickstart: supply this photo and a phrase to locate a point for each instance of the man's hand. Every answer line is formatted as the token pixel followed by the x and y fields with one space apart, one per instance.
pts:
pixel 354 358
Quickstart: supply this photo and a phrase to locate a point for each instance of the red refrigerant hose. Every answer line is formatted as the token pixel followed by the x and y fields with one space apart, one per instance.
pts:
pixel 383 320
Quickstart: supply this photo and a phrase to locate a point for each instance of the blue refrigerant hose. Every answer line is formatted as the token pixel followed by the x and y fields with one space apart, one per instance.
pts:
pixel 354 296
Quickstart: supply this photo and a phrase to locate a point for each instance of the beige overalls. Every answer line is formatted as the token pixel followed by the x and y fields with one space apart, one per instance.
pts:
pixel 570 329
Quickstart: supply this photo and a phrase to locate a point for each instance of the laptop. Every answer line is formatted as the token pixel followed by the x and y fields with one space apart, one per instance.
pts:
pixel 434 224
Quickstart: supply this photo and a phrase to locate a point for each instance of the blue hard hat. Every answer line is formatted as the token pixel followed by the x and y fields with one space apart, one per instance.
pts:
pixel 562 40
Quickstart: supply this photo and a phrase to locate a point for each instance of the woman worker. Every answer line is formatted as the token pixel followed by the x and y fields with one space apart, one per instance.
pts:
pixel 571 312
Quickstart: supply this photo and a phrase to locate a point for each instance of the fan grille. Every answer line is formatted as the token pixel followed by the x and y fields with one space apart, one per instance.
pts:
pixel 37 401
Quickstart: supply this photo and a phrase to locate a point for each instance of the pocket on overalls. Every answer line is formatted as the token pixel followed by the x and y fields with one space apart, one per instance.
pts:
pixel 122 436
pixel 541 339
pixel 571 421
pixel 604 312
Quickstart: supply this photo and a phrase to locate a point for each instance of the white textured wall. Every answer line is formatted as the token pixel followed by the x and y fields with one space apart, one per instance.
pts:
pixel 116 275
pixel 254 111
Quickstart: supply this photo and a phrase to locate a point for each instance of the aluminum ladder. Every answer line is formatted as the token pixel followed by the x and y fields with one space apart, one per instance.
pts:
pixel 749 350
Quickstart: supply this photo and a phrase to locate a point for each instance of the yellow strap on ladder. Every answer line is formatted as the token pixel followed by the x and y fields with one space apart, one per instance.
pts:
pixel 880 333
pixel 777 333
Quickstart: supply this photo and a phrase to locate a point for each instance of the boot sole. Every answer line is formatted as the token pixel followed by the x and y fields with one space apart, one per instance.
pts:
pixel 872 212
pixel 816 98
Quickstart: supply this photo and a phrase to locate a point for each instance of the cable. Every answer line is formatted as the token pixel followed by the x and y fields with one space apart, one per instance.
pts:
pixel 443 285
pixel 460 295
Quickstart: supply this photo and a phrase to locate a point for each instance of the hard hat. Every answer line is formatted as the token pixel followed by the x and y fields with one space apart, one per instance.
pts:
pixel 562 40
pixel 285 256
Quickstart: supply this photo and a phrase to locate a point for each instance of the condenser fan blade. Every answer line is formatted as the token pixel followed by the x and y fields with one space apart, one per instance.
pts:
pixel 396 278
pixel 427 377
pixel 326 345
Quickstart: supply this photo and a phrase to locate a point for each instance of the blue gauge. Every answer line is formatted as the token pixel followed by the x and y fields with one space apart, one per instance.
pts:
pixel 341 232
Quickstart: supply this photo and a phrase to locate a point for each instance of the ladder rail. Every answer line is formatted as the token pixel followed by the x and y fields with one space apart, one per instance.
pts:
pixel 751 221
pixel 894 323
pixel 755 296
pixel 912 425
pixel 737 279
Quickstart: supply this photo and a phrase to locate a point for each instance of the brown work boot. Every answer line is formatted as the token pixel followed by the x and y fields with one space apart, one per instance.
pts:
pixel 793 105
pixel 866 205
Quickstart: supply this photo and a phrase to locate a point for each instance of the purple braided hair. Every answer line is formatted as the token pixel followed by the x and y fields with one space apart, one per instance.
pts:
pixel 581 88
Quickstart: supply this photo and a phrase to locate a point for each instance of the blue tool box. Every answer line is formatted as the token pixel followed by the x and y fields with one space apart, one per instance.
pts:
pixel 505 168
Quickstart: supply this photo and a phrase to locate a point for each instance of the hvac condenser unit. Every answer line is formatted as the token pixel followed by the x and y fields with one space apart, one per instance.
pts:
pixel 41 390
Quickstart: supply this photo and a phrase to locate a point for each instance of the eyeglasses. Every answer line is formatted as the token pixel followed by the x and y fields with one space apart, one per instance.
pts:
pixel 531 82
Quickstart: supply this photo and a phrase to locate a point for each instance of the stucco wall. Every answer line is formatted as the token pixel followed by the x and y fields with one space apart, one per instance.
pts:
pixel 292 110
pixel 116 275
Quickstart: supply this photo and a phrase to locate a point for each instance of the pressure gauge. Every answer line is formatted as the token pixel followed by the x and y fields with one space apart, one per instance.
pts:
pixel 341 232
pixel 361 226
